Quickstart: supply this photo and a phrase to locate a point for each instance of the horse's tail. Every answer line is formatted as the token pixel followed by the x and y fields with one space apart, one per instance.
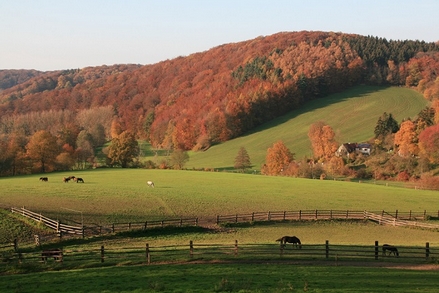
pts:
pixel 299 243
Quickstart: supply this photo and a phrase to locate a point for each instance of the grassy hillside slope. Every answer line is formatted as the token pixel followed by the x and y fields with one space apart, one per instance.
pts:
pixel 352 114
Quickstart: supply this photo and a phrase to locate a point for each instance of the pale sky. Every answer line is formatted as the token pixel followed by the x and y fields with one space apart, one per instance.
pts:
pixel 61 34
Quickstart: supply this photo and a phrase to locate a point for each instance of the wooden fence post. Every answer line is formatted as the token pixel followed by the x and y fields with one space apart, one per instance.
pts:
pixel 236 247
pixel 102 253
pixel 236 218
pixel 285 214
pixel 217 219
pixel 330 214
pixel 191 249
pixel 196 222
pixel 396 214
pixel 148 255
pixel 327 248
pixel 253 216
pixel 146 224
pixel 376 249
pixel 269 216
pixel 300 214
pixel 427 250
pixel 281 249
pixel 112 228
pixel 15 245
pixel 316 214
pixel 181 222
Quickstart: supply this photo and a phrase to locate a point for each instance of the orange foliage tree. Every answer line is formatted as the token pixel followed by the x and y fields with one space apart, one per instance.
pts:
pixel 406 139
pixel 323 141
pixel 429 143
pixel 277 159
pixel 42 149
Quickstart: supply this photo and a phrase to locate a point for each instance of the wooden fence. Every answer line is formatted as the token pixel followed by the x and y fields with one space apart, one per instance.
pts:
pixel 50 223
pixel 232 252
pixel 63 229
pixel 315 215
pixel 387 219
pixel 397 219
pixel 122 227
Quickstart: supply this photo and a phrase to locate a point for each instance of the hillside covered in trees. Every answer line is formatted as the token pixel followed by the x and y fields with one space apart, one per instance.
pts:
pixel 193 102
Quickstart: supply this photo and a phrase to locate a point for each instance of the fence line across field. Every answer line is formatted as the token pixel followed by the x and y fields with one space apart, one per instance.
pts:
pixel 229 252
pixel 397 218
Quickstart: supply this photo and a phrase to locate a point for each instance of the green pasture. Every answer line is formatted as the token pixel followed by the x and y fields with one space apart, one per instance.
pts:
pixel 242 277
pixel 352 114
pixel 122 195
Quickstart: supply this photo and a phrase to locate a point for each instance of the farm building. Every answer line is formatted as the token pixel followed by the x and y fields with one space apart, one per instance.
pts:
pixel 348 148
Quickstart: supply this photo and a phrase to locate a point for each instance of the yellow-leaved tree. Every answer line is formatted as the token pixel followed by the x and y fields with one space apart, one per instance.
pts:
pixel 323 141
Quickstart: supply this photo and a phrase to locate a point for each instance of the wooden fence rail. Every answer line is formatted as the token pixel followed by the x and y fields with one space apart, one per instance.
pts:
pixel 392 218
pixel 291 215
pixel 61 228
pixel 50 223
pixel 232 252
pixel 386 219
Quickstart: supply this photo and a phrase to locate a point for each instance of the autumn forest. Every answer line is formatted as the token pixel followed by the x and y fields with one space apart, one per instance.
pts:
pixel 194 102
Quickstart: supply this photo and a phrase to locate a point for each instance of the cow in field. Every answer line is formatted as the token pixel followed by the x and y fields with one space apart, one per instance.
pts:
pixel 150 184
pixel 79 179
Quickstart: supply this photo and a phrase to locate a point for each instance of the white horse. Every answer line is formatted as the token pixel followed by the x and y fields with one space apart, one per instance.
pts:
pixel 150 184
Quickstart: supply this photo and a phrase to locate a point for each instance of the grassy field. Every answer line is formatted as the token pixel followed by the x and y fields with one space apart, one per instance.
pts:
pixel 225 278
pixel 121 196
pixel 118 195
pixel 352 114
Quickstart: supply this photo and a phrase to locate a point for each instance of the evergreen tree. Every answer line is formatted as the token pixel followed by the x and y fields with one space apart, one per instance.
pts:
pixel 386 124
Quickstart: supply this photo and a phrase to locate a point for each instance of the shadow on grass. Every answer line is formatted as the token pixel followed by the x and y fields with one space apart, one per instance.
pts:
pixel 158 231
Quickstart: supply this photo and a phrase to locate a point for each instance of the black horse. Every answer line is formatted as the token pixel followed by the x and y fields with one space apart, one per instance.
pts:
pixel 78 179
pixel 45 179
pixel 290 239
pixel 389 249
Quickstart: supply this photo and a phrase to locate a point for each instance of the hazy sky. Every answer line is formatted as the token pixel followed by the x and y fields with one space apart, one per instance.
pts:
pixel 61 34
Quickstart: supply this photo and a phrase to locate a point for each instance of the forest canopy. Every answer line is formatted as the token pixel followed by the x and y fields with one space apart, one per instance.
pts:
pixel 193 102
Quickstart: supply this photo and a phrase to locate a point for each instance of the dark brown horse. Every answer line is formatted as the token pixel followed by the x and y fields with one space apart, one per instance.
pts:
pixel 290 239
pixel 389 249
pixel 45 179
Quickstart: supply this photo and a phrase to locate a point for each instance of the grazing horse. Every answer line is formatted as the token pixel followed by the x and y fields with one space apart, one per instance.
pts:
pixel 150 184
pixel 67 179
pixel 45 179
pixel 55 253
pixel 389 249
pixel 290 239
pixel 78 179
